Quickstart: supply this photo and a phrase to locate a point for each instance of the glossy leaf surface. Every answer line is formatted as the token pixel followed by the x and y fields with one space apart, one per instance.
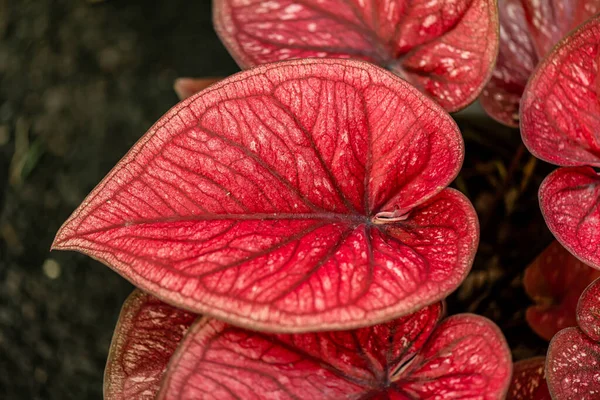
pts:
pixel 465 356
pixel 569 199
pixel 560 110
pixel 573 366
pixel 300 196
pixel 444 48
pixel 588 311
pixel 528 381
pixel 146 336
pixel 555 280
pixel 186 87
pixel 528 31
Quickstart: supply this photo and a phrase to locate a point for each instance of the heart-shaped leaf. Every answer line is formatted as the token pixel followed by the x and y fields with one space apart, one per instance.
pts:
pixel 573 366
pixel 465 356
pixel 560 109
pixel 570 203
pixel 588 311
pixel 185 87
pixel 528 382
pixel 555 280
pixel 528 31
pixel 446 49
pixel 299 196
pixel 146 336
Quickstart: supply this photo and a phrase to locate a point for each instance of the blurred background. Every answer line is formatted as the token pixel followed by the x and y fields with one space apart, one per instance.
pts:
pixel 80 82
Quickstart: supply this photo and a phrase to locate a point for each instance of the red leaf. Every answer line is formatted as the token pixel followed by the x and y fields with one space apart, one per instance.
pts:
pixel 300 196
pixel 185 87
pixel 588 311
pixel 560 110
pixel 573 365
pixel 464 357
pixel 555 280
pixel 445 48
pixel 146 336
pixel 528 31
pixel 528 382
pixel 569 199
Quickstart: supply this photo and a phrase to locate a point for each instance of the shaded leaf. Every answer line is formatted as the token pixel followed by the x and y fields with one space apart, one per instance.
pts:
pixel 464 356
pixel 528 31
pixel 300 196
pixel 588 311
pixel 528 382
pixel 555 280
pixel 569 199
pixel 146 336
pixel 445 48
pixel 185 87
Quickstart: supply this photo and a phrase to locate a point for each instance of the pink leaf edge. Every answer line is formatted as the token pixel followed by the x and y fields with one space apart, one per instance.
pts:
pixel 569 200
pixel 528 381
pixel 446 49
pixel 145 338
pixel 528 31
pixel 465 356
pixel 299 196
pixel 560 109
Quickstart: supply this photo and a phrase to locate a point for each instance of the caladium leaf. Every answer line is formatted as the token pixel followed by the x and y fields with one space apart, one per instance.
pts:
pixel 446 49
pixel 146 336
pixel 299 196
pixel 573 366
pixel 588 311
pixel 555 280
pixel 185 87
pixel 528 31
pixel 570 203
pixel 528 381
pixel 560 110
pixel 465 356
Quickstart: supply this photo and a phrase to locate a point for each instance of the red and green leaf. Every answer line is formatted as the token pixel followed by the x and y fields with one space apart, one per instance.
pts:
pixel 447 49
pixel 464 356
pixel 555 280
pixel 146 336
pixel 528 381
pixel 528 31
pixel 300 196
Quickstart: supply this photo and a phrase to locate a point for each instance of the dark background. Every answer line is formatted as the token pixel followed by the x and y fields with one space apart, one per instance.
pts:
pixel 80 82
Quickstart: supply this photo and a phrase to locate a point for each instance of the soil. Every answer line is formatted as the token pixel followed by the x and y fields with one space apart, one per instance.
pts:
pixel 80 82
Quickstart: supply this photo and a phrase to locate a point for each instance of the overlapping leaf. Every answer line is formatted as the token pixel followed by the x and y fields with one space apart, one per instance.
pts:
pixel 306 195
pixel 528 381
pixel 146 336
pixel 555 280
pixel 528 31
pixel 465 356
pixel 573 360
pixel 446 49
pixel 560 124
